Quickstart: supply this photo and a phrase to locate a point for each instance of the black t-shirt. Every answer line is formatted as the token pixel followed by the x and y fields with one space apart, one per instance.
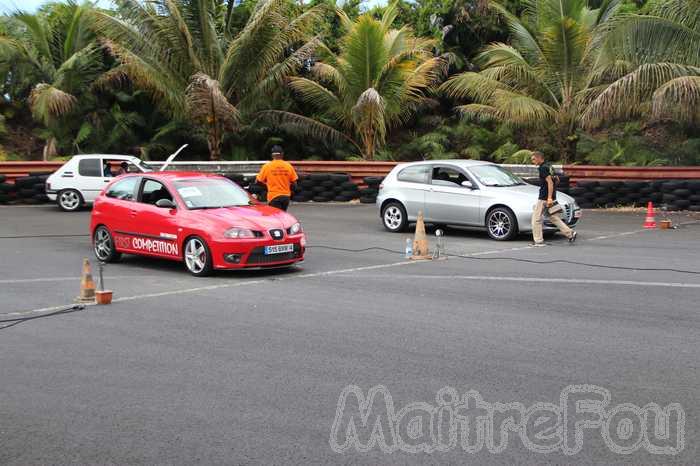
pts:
pixel 545 170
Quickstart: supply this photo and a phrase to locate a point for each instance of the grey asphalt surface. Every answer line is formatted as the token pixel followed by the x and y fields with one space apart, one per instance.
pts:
pixel 247 367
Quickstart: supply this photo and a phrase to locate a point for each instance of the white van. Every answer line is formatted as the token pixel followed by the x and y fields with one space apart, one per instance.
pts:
pixel 80 180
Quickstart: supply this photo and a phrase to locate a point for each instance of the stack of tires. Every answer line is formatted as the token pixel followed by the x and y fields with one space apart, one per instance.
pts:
pixel 674 194
pixel 369 194
pixel 563 183
pixel 8 191
pixel 325 187
pixel 31 189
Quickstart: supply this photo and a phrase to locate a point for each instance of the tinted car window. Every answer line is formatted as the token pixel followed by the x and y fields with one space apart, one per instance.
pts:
pixel 153 191
pixel 446 176
pixel 123 189
pixel 90 167
pixel 415 174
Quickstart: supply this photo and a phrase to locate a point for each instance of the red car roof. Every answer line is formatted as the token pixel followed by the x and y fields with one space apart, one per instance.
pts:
pixel 174 175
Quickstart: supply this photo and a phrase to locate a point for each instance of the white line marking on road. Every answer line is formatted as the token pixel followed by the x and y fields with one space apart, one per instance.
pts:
pixel 570 281
pixel 225 285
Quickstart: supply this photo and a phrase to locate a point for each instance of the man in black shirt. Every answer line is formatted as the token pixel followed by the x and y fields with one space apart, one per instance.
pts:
pixel 545 201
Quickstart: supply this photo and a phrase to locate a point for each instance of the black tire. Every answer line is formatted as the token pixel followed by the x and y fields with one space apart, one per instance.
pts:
pixel 636 185
pixel 318 189
pixel 321 199
pixel 2 178
pixel 600 201
pixel 669 198
pixel 69 200
pixel 318 177
pixel 4 198
pixel 681 193
pixel 586 205
pixel 694 208
pixel 670 186
pixel 694 198
pixel 577 191
pixel 350 194
pixel 339 178
pixel 342 198
pixel 39 188
pixel 26 193
pixel 349 185
pixel 7 188
pixel 41 197
pixel 394 217
pixel 368 200
pixel 307 184
pixel 106 252
pixel 26 182
pixel 646 190
pixel 693 185
pixel 501 224
pixel 601 190
pixel 589 196
pixel 368 192
pixel 328 183
pixel 373 180
pixel 301 198
pixel 197 256
pixel 682 204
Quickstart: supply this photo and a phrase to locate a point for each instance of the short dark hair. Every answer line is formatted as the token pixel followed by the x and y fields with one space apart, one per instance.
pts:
pixel 277 149
pixel 538 154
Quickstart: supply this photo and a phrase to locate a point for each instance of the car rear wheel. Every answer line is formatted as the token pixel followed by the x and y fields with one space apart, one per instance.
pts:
pixel 69 200
pixel 394 217
pixel 501 224
pixel 198 257
pixel 103 245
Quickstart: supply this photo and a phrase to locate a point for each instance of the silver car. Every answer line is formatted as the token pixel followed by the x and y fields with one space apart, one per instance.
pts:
pixel 466 193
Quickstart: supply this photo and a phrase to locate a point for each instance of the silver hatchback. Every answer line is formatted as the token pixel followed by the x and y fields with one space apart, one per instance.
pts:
pixel 468 193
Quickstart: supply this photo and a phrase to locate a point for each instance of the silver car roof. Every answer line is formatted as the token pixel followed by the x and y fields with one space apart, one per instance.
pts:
pixel 465 163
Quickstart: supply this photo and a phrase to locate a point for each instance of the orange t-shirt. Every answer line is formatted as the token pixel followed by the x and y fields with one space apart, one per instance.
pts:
pixel 278 175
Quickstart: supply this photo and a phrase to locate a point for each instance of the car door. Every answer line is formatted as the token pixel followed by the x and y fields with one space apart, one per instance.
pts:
pixel 156 230
pixel 413 183
pixel 116 209
pixel 447 201
pixel 91 178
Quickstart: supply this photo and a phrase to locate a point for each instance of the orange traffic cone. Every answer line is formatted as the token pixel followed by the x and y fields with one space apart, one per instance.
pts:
pixel 650 222
pixel 87 284
pixel 420 243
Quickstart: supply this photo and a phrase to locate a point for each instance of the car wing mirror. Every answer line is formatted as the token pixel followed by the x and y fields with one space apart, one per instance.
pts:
pixel 166 204
pixel 468 184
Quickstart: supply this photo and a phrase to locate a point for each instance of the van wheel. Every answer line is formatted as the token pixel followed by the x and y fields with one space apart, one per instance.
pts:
pixel 69 200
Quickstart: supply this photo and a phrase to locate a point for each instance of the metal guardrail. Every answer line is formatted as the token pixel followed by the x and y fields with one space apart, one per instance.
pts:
pixel 358 170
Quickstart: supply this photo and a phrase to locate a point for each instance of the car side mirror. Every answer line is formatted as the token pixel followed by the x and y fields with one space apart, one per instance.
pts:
pixel 166 204
pixel 468 184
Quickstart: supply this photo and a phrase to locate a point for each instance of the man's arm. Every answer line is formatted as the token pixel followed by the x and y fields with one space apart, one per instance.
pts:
pixel 262 176
pixel 550 190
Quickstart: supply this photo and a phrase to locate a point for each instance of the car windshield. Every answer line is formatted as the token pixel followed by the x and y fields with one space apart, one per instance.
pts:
pixel 493 175
pixel 211 193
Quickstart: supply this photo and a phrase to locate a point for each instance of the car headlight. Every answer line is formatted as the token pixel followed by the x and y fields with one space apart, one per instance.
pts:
pixel 294 229
pixel 239 233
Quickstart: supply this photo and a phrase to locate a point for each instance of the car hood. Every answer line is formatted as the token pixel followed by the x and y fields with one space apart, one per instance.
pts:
pixel 528 191
pixel 257 217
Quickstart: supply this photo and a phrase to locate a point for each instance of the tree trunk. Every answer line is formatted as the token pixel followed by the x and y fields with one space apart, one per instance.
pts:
pixel 570 149
pixel 49 149
pixel 368 143
pixel 214 138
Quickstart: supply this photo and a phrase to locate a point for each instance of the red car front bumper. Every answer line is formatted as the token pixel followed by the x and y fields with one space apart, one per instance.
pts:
pixel 243 253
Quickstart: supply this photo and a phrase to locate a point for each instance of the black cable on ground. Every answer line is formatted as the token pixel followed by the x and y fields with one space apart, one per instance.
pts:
pixel 19 320
pixel 515 259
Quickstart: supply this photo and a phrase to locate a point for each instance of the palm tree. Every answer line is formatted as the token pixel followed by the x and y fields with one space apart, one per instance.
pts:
pixel 377 81
pixel 662 51
pixel 185 54
pixel 56 52
pixel 547 78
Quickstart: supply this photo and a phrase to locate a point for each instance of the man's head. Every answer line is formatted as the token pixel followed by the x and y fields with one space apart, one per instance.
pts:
pixel 277 152
pixel 537 158
pixel 124 167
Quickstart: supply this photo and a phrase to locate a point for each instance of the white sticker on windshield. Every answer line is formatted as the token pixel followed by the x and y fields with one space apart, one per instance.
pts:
pixel 189 191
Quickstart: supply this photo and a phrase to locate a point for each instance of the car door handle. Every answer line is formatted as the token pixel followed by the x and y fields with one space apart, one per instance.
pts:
pixel 133 212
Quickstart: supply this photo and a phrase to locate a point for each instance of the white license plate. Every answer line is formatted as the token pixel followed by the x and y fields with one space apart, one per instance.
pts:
pixel 279 249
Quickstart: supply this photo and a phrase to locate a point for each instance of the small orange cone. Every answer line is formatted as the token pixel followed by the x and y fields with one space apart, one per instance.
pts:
pixel 420 243
pixel 87 284
pixel 650 222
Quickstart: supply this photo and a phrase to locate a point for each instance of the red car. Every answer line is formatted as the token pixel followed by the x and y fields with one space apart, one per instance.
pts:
pixel 207 221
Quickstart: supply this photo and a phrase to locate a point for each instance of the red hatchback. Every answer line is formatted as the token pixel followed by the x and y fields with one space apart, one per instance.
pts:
pixel 207 221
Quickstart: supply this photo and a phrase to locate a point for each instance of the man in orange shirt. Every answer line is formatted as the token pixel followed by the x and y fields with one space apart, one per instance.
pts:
pixel 278 176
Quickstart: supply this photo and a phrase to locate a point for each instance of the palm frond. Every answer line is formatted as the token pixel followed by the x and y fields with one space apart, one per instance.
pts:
pixel 48 102
pixel 206 103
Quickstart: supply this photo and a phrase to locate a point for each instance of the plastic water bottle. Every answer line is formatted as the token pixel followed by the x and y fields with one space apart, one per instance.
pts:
pixel 409 248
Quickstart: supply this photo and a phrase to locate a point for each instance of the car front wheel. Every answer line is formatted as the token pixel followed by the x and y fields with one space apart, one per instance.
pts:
pixel 103 245
pixel 501 224
pixel 394 217
pixel 198 257
pixel 69 200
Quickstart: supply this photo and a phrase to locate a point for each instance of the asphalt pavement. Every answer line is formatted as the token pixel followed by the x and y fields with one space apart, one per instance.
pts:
pixel 249 367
